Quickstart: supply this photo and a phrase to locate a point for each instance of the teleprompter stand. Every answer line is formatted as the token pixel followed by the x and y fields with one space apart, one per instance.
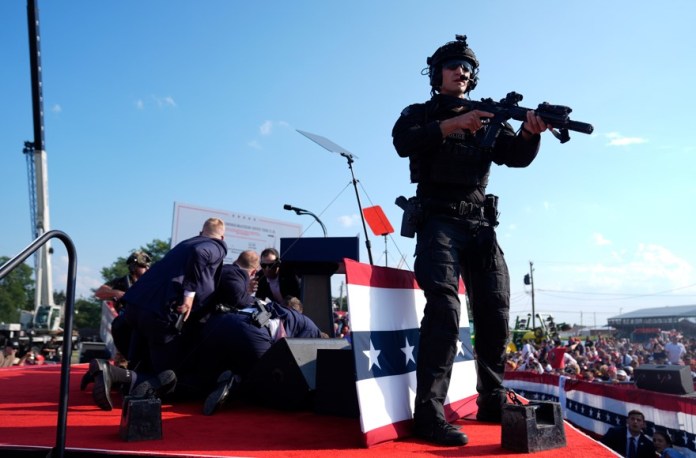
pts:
pixel 334 148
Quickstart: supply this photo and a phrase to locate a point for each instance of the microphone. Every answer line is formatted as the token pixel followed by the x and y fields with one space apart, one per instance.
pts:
pixel 295 209
pixel 302 211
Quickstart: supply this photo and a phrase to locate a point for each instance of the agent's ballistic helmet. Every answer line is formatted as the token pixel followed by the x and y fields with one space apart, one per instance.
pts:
pixel 139 258
pixel 454 50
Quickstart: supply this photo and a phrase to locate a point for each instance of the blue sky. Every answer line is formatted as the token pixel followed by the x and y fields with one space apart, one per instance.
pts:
pixel 151 103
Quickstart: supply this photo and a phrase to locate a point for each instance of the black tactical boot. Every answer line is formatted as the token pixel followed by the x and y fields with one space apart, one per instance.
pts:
pixel 490 406
pixel 440 432
pixel 88 377
pixel 106 376
pixel 491 392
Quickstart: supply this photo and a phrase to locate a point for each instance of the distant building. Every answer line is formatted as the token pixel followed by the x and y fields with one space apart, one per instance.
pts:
pixel 653 320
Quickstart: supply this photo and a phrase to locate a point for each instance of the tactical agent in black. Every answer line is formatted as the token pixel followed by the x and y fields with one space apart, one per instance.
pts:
pixel 456 238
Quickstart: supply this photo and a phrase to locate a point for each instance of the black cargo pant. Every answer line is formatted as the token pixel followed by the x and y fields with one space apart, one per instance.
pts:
pixel 448 247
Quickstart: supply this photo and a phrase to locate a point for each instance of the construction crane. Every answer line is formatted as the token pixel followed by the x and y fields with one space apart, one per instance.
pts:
pixel 42 325
pixel 46 314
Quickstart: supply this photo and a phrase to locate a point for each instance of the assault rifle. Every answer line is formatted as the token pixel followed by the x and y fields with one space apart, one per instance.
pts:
pixel 508 108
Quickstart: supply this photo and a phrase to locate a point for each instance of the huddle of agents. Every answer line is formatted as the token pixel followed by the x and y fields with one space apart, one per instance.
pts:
pixel 193 326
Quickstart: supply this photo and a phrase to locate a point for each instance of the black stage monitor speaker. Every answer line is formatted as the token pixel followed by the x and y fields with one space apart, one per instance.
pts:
pixel 336 393
pixel 664 378
pixel 285 376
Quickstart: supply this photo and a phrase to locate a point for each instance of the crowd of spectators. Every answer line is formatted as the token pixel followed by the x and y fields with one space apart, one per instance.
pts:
pixel 602 359
pixel 341 324
pixel 13 355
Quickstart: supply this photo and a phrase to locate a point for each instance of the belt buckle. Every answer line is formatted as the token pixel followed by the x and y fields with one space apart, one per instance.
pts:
pixel 464 208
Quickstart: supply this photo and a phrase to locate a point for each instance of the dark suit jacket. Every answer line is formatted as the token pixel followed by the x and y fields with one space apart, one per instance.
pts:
pixel 192 265
pixel 615 439
pixel 233 287
pixel 232 341
pixel 289 284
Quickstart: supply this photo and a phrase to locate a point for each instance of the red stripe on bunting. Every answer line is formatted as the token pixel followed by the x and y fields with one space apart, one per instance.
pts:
pixel 382 277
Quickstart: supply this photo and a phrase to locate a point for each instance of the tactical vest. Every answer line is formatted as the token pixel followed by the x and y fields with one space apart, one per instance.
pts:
pixel 458 160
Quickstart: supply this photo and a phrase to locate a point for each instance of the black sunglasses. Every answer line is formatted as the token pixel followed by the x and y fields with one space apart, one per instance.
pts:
pixel 269 265
pixel 456 63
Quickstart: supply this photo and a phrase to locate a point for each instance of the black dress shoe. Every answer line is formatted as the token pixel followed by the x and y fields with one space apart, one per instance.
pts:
pixel 441 433
pixel 102 385
pixel 157 386
pixel 225 385
pixel 88 377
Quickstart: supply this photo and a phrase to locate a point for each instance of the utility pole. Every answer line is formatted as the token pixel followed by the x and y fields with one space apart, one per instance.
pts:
pixel 340 297
pixel 529 280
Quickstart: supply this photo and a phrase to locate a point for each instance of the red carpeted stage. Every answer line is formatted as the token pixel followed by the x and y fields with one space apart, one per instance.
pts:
pixel 29 411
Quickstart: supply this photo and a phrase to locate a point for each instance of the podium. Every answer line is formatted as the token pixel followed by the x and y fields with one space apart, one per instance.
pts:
pixel 315 260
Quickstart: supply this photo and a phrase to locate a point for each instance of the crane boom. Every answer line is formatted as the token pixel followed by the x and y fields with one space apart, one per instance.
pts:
pixel 39 174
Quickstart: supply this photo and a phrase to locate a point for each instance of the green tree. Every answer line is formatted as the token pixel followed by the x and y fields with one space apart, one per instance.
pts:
pixel 157 249
pixel 87 313
pixel 16 292
pixel 87 310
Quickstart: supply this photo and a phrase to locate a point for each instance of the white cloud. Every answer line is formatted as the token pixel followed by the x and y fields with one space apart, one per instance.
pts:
pixel 348 220
pixel 87 279
pixel 164 102
pixel 616 139
pixel 266 128
pixel 650 269
pixel 600 240
pixel 254 144
pixel 161 102
pixel 658 261
pixel 56 108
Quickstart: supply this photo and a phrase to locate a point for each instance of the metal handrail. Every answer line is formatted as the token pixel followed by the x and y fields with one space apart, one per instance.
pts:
pixel 59 449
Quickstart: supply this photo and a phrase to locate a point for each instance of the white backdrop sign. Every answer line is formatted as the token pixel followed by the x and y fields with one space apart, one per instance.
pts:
pixel 242 232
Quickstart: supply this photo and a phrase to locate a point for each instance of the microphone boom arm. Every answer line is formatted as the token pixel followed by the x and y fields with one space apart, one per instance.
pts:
pixel 302 211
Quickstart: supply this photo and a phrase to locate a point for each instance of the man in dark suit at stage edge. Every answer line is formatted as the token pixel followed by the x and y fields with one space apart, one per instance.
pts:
pixel 178 284
pixel 629 440
pixel 156 307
